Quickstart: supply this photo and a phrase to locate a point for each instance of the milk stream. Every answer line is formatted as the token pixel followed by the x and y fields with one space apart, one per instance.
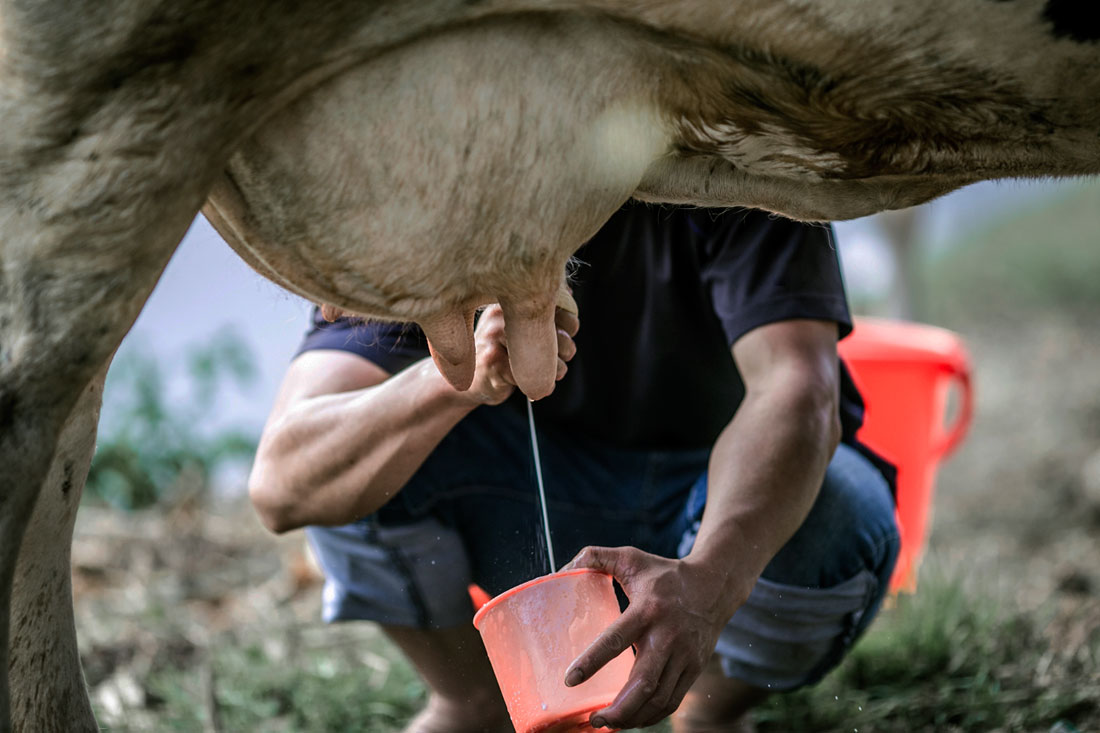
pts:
pixel 542 488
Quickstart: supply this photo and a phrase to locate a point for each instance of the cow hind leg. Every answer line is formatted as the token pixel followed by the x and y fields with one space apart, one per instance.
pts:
pixel 71 287
pixel 87 225
pixel 48 689
pixel 112 130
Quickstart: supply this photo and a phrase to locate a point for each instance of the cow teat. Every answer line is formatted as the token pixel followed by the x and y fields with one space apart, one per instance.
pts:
pixel 532 345
pixel 532 342
pixel 450 338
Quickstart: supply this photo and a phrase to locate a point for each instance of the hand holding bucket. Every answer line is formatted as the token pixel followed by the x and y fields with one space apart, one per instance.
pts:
pixel 534 631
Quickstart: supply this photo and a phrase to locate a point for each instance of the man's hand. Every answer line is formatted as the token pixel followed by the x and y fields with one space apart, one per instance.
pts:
pixel 493 381
pixel 677 609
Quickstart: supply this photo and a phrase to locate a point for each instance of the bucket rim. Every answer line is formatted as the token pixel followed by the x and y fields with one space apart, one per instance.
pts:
pixel 886 341
pixel 497 600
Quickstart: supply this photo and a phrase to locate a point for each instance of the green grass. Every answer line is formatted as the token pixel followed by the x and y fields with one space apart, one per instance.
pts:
pixel 949 658
pixel 346 678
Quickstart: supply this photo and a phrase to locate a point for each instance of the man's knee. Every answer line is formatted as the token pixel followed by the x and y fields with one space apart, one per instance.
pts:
pixel 413 574
pixel 824 587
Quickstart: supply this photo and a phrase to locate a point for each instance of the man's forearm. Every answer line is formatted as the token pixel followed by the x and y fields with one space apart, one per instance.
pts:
pixel 765 472
pixel 336 457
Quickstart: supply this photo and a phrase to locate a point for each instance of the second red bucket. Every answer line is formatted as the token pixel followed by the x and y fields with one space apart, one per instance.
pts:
pixel 905 372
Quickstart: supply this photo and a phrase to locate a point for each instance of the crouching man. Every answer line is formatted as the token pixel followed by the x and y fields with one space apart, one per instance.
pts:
pixel 699 446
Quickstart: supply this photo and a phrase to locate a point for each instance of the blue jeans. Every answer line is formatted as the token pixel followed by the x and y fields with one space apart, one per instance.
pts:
pixel 471 514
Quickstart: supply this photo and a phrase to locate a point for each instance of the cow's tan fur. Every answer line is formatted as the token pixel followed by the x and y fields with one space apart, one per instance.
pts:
pixel 412 159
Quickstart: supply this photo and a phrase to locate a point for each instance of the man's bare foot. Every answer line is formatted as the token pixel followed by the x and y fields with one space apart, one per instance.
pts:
pixel 444 716
pixel 718 704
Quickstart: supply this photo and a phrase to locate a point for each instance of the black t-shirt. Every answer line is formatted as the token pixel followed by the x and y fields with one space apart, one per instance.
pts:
pixel 663 294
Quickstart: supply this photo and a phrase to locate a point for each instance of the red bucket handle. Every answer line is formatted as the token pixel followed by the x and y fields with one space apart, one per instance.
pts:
pixel 949 438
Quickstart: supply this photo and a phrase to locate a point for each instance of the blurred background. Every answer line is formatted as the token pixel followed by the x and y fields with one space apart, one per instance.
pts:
pixel 192 617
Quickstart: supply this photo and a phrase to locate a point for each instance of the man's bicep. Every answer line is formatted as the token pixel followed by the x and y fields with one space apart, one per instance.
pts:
pixel 789 353
pixel 325 371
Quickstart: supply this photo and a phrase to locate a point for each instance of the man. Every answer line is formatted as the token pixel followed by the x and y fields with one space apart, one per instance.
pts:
pixel 752 534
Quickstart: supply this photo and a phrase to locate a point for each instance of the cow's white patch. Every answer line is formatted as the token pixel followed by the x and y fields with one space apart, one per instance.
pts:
pixel 624 140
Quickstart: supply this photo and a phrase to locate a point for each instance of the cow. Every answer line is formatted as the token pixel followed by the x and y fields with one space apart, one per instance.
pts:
pixel 414 159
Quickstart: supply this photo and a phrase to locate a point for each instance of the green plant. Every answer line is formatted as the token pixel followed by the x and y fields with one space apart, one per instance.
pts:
pixel 153 446
pixel 953 657
pixel 347 677
pixel 341 678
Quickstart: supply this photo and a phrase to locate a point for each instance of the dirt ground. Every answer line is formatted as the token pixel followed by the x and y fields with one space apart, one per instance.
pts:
pixel 1018 507
pixel 1017 510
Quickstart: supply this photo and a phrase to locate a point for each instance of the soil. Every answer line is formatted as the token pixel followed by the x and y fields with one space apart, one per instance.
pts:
pixel 1018 507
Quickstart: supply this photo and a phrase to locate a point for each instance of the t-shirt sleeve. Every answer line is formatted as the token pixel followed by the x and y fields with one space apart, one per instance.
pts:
pixel 760 269
pixel 392 346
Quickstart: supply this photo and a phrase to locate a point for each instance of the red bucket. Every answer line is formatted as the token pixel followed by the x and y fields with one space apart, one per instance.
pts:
pixel 905 372
pixel 534 631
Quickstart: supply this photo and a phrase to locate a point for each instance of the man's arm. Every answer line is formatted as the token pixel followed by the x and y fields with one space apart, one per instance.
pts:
pixel 344 436
pixel 768 464
pixel 764 474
